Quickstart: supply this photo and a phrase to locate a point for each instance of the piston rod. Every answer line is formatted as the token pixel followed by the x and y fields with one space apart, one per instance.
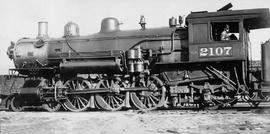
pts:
pixel 104 90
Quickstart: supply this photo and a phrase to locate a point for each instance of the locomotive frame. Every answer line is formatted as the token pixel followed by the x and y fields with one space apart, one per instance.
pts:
pixel 174 66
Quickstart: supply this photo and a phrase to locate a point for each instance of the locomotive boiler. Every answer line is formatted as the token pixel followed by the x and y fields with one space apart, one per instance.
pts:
pixel 185 64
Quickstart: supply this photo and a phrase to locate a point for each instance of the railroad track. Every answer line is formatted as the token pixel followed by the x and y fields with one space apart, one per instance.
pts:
pixel 211 112
pixel 239 108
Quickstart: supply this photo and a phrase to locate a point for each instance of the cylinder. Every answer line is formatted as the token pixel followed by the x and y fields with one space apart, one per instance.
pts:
pixel 138 53
pixel 30 94
pixel 131 54
pixel 131 67
pixel 266 63
pixel 138 66
pixel 42 30
pixel 29 91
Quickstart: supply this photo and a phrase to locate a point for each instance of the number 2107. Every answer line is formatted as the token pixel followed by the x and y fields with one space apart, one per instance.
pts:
pixel 215 51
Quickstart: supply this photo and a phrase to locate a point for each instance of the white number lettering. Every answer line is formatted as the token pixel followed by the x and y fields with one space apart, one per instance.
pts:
pixel 211 51
pixel 203 52
pixel 228 50
pixel 219 51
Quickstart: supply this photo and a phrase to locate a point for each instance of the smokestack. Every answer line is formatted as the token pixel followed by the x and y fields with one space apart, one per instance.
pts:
pixel 42 30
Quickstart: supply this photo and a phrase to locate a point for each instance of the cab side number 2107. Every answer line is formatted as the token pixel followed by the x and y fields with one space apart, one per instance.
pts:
pixel 215 51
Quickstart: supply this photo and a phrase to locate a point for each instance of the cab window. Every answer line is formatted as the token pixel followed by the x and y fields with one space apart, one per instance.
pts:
pixel 224 31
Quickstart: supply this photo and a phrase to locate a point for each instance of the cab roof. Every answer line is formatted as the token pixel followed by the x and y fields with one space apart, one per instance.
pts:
pixel 252 18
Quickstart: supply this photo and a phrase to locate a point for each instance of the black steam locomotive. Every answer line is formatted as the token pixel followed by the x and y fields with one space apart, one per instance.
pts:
pixel 185 64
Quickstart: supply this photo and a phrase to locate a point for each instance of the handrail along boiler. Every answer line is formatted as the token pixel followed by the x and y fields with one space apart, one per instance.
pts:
pixel 176 66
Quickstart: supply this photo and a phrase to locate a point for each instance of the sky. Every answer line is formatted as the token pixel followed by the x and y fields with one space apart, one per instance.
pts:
pixel 18 18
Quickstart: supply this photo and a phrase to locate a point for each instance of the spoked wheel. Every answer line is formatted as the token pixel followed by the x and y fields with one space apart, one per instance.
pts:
pixel 74 102
pixel 151 99
pixel 251 99
pixel 218 100
pixel 254 99
pixel 16 104
pixel 113 100
pixel 51 106
pixel 265 96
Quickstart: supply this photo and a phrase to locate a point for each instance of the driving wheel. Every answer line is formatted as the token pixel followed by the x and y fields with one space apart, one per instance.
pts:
pixel 113 100
pixel 151 99
pixel 77 102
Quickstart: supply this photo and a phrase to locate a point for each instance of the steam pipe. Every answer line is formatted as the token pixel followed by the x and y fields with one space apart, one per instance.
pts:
pixel 172 41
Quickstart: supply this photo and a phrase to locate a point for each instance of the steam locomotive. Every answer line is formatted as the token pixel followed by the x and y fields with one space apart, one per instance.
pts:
pixel 185 64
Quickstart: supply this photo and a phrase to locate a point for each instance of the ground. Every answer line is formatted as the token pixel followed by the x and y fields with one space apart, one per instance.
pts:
pixel 134 122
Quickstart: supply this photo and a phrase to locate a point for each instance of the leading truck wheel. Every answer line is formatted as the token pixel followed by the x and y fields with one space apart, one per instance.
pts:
pixel 151 99
pixel 16 104
pixel 77 102
pixel 49 105
pixel 52 106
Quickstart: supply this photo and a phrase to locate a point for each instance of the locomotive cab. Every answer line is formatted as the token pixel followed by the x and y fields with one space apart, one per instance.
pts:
pixel 205 31
pixel 207 45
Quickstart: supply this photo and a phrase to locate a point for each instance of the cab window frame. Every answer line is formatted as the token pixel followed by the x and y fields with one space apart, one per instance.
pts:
pixel 211 34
